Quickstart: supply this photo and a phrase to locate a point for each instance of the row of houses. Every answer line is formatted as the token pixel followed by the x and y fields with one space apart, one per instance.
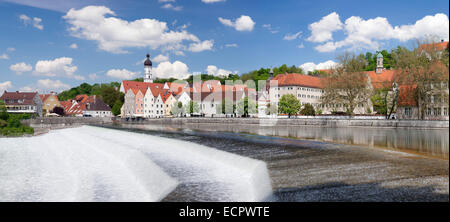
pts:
pixel 44 104
pixel 155 100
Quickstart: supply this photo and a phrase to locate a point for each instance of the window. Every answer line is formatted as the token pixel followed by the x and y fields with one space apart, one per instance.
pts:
pixel 437 111
pixel 445 111
pixel 428 111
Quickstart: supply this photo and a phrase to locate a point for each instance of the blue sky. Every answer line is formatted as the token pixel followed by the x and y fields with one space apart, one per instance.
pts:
pixel 44 46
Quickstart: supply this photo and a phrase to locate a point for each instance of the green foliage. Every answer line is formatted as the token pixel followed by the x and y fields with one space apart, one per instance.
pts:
pixel 308 110
pixel 379 101
pixel 272 109
pixel 246 106
pixel 116 107
pixel 3 112
pixel 319 112
pixel 13 127
pixel 192 107
pixel 289 104
pixel 372 60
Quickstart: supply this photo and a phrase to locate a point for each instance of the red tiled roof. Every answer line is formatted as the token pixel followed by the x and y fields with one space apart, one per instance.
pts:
pixel 294 79
pixel 433 46
pixel 406 95
pixel 142 86
pixel 11 98
pixel 383 79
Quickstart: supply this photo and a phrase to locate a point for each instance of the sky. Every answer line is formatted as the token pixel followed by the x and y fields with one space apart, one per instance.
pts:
pixel 53 45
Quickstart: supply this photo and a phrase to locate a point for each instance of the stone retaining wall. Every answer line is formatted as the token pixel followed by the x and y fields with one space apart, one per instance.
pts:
pixel 299 122
pixel 63 122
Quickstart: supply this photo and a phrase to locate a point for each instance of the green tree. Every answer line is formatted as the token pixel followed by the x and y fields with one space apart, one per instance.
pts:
pixel 308 110
pixel 246 106
pixel 192 107
pixel 3 111
pixel 289 104
pixel 272 109
pixel 116 107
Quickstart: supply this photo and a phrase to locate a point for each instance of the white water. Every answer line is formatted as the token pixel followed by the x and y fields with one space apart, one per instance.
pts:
pixel 97 164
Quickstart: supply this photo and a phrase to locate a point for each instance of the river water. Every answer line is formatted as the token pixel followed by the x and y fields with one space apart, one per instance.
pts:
pixel 205 162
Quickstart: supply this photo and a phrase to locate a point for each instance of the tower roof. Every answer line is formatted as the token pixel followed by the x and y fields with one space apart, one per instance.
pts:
pixel 380 55
pixel 148 62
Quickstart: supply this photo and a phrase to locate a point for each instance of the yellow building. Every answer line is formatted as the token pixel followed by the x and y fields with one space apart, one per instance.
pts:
pixel 49 102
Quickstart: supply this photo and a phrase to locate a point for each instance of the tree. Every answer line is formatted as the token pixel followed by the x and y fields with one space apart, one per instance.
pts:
pixel 272 109
pixel 246 106
pixel 58 110
pixel 308 110
pixel 423 70
pixel 192 107
pixel 110 95
pixel 346 84
pixel 289 104
pixel 116 109
pixel 3 111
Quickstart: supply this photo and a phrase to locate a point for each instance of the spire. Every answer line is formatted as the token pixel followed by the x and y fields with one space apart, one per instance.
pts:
pixel 148 62
pixel 271 73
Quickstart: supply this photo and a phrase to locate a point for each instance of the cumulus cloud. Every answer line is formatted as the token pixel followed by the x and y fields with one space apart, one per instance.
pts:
pixel 122 74
pixel 97 23
pixel 310 66
pixel 213 70
pixel 212 1
pixel 4 56
pixel 161 58
pixel 74 46
pixel 368 34
pixel 20 68
pixel 58 67
pixel 201 46
pixel 290 37
pixel 54 85
pixel 243 23
pixel 322 30
pixel 167 69
pixel 36 22
pixel 5 86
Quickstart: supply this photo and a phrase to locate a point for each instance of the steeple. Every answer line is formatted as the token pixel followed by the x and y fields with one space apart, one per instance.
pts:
pixel 271 73
pixel 148 70
pixel 379 63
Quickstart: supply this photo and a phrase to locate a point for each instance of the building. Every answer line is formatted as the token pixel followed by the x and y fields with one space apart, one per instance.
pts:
pixel 22 102
pixel 49 102
pixel 95 107
pixel 148 70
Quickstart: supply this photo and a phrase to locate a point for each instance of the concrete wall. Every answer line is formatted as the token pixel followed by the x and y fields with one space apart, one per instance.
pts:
pixel 300 122
pixel 62 122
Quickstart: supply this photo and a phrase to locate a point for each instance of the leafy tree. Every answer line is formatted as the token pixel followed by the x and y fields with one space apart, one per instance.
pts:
pixel 3 111
pixel 308 110
pixel 116 107
pixel 347 83
pixel 272 109
pixel 246 106
pixel 289 104
pixel 192 107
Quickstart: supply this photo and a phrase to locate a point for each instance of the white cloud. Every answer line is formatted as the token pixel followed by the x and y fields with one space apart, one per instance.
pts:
pixel 93 76
pixel 322 30
pixel 212 1
pixel 243 23
pixel 54 85
pixel 290 37
pixel 301 46
pixel 122 74
pixel 74 46
pixel 10 49
pixel 177 70
pixel 161 58
pixel 179 53
pixel 36 22
pixel 4 56
pixel 213 70
pixel 58 67
pixel 310 66
pixel 201 46
pixel 5 86
pixel 114 34
pixel 163 1
pixel 19 68
pixel 270 28
pixel 368 34
pixel 172 7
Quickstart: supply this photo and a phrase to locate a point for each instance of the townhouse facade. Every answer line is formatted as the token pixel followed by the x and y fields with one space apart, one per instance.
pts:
pixel 22 102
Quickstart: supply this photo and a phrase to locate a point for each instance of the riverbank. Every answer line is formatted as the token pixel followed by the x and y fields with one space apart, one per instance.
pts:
pixel 305 170
pixel 422 124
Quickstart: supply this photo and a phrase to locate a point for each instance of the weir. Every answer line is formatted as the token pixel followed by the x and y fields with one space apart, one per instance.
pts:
pixel 97 164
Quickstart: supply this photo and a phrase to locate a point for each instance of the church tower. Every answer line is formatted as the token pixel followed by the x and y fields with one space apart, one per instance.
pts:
pixel 379 63
pixel 148 70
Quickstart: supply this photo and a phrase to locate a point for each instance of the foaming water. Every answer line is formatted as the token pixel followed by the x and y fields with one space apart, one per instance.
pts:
pixel 97 164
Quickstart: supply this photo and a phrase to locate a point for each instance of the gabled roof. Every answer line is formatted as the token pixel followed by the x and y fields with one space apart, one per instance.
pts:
pixel 383 79
pixel 295 79
pixel 142 86
pixel 11 98
pixel 433 46
pixel 406 95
